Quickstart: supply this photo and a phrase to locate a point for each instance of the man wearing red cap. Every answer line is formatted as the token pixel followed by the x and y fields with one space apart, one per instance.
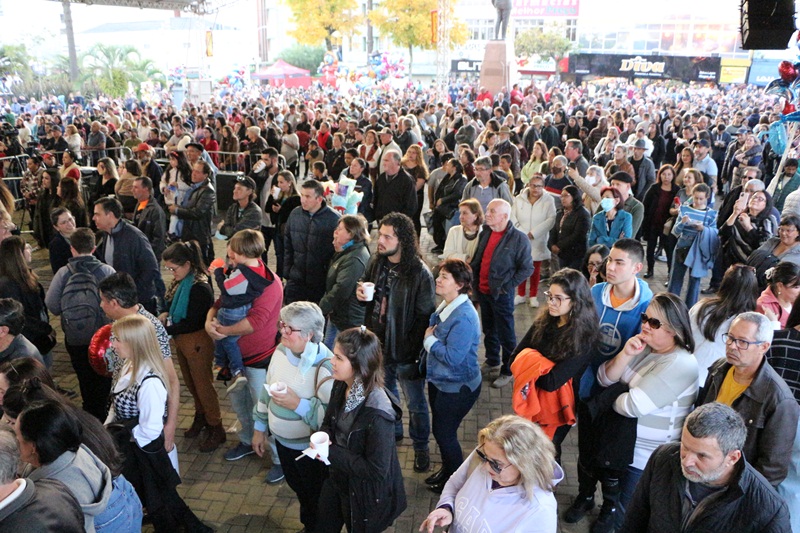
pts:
pixel 151 169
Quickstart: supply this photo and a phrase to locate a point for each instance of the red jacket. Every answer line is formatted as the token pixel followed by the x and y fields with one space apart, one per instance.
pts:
pixel 548 409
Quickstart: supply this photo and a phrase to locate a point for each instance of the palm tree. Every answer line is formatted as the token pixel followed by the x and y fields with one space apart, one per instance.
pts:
pixel 113 68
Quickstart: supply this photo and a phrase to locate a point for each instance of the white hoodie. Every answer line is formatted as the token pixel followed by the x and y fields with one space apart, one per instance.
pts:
pixel 480 509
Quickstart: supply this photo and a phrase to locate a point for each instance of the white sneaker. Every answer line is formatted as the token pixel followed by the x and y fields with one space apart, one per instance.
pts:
pixel 239 383
pixel 662 257
pixel 502 381
pixel 519 300
pixel 534 301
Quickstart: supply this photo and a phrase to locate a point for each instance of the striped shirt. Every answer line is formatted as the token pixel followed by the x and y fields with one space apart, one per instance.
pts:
pixel 784 356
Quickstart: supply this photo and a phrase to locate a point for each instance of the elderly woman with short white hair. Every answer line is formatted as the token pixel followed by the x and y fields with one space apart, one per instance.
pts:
pixel 292 403
pixel 591 186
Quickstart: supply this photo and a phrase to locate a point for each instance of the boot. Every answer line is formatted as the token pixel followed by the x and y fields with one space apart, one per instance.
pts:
pixel 198 424
pixel 608 512
pixel 215 436
pixel 579 508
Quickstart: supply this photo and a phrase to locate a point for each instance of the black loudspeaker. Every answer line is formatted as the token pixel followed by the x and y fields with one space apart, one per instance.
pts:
pixel 225 183
pixel 767 24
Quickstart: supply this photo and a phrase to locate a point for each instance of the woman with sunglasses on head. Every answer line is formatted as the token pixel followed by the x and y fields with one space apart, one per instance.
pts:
pixel 660 373
pixel 507 483
pixel 364 490
pixel 563 334
pixel 783 287
pixel 711 317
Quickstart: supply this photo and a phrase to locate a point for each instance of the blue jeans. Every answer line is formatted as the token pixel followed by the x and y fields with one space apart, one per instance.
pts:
pixel 226 351
pixel 627 486
pixel 123 513
pixel 677 273
pixel 419 423
pixel 448 409
pixel 497 322
pixel 244 400
pixel 331 332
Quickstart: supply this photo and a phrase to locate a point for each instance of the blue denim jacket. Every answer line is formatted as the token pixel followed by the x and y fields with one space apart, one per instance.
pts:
pixel 453 347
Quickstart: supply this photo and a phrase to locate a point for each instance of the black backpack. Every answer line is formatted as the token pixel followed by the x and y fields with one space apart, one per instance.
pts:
pixel 81 315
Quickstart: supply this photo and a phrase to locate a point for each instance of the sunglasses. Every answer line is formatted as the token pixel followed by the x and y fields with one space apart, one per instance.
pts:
pixel 494 465
pixel 652 322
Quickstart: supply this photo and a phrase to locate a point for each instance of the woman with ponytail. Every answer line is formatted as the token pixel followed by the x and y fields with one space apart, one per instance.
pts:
pixel 188 298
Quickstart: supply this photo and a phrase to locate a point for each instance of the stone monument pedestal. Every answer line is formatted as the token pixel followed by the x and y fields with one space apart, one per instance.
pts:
pixel 498 67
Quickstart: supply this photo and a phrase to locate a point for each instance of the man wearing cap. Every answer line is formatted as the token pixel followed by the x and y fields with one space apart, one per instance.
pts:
pixel 504 146
pixel 244 212
pixel 180 138
pixel 532 134
pixel 151 169
pixel 387 145
pixel 57 143
pixel 196 152
pixel 640 134
pixel 645 171
pixel 622 181
pixel 706 164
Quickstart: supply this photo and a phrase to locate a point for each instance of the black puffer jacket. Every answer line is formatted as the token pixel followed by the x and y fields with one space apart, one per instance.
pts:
pixel 133 254
pixel 197 215
pixel 308 248
pixel 365 466
pixel 747 505
pixel 340 303
pixel 411 303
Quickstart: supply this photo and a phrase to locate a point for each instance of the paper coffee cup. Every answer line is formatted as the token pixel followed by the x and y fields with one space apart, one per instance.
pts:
pixel 320 442
pixel 369 291
pixel 276 191
pixel 277 387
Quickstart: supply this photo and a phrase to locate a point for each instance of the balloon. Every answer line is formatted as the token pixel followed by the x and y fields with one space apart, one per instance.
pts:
pixel 788 108
pixel 98 352
pixel 787 71
pixel 777 137
pixel 780 88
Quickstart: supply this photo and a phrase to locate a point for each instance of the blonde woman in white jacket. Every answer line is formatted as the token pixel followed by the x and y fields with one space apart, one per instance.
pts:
pixel 534 213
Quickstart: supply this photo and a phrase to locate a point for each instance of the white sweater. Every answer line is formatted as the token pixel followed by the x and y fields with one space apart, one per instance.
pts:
pixel 537 219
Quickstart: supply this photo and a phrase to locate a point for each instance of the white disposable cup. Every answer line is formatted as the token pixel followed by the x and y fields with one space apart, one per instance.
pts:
pixel 320 442
pixel 369 291
pixel 276 191
pixel 277 387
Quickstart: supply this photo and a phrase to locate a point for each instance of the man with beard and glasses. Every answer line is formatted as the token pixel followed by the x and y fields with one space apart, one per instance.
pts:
pixel 704 482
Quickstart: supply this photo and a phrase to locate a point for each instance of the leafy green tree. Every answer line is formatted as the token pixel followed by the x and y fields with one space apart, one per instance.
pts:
pixel 408 24
pixel 14 59
pixel 303 56
pixel 550 43
pixel 112 69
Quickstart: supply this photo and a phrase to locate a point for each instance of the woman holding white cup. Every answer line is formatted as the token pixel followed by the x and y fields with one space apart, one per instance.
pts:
pixel 293 401
pixel 364 489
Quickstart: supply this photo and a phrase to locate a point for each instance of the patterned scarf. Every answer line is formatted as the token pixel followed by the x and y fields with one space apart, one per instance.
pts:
pixel 355 396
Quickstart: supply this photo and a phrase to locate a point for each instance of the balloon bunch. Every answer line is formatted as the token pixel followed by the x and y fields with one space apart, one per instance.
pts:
pixel 787 86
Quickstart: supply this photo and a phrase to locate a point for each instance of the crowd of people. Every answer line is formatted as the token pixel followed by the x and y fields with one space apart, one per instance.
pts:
pixel 686 403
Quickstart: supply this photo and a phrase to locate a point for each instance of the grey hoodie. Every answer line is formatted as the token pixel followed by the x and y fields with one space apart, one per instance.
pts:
pixel 87 477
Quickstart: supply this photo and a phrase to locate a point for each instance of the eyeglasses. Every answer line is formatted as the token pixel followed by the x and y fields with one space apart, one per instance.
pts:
pixel 595 264
pixel 652 322
pixel 758 199
pixel 283 326
pixel 171 269
pixel 540 186
pixel 494 465
pixel 742 344
pixel 557 299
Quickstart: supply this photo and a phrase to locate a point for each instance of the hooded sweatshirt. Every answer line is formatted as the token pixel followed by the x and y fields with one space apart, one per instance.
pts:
pixel 479 507
pixel 617 325
pixel 87 477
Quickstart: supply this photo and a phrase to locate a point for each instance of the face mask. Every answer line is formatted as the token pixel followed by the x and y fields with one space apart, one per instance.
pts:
pixel 607 204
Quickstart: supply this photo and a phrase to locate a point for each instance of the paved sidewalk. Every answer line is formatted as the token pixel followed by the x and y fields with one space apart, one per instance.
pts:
pixel 232 497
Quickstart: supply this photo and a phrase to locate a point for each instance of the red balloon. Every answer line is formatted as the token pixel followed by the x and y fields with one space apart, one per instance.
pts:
pixel 787 71
pixel 788 108
pixel 101 342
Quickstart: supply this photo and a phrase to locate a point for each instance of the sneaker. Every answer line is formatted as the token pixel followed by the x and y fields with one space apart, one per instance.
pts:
pixel 502 381
pixel 239 451
pixel 274 475
pixel 579 508
pixel 489 371
pixel 708 291
pixel 422 461
pixel 662 258
pixel 519 300
pixel 224 374
pixel 437 250
pixel 605 520
pixel 239 383
pixel 534 301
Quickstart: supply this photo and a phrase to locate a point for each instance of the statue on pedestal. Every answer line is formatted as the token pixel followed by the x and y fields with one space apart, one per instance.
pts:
pixel 503 8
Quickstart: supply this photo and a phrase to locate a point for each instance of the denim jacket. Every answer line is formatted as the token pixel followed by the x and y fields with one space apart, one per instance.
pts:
pixel 453 347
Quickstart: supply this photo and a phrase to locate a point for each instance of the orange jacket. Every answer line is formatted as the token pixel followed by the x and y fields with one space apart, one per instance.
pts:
pixel 548 409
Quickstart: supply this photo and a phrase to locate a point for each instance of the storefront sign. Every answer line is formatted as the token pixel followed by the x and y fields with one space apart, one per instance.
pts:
pixel 763 71
pixel 653 66
pixel 524 9
pixel 465 65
